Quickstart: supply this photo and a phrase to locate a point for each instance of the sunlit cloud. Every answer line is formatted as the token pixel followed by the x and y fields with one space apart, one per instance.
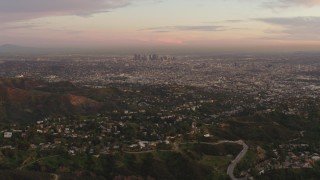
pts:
pixel 15 10
pixel 185 28
pixel 162 40
pixel 170 40
pixel 104 23
pixel 290 3
pixel 295 27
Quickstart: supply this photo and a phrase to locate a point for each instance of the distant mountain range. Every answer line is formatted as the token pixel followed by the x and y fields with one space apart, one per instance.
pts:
pixel 11 49
pixel 14 49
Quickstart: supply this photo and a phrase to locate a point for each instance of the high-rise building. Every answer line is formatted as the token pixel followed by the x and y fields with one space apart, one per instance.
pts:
pixel 153 57
pixel 137 57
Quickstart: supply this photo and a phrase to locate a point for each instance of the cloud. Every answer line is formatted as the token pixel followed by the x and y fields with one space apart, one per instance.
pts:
pixel 198 28
pixel 306 28
pixel 291 3
pixel 184 28
pixel 22 26
pixel 234 21
pixel 163 40
pixel 170 40
pixel 15 10
pixel 310 22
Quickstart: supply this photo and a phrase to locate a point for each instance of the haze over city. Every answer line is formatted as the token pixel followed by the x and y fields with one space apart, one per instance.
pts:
pixel 159 89
pixel 164 25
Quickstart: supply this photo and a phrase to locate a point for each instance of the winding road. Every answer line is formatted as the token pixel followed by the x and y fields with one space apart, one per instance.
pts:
pixel 27 164
pixel 234 163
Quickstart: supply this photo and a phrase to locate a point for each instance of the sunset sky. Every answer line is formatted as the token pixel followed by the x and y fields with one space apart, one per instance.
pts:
pixel 180 24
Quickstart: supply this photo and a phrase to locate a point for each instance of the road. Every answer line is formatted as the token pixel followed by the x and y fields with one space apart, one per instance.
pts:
pixel 234 163
pixel 230 170
pixel 151 151
pixel 27 164
pixel 139 152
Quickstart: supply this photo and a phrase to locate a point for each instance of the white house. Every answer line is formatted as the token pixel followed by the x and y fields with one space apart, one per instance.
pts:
pixel 7 134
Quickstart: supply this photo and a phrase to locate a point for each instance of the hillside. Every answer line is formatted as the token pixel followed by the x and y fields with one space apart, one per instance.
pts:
pixel 22 100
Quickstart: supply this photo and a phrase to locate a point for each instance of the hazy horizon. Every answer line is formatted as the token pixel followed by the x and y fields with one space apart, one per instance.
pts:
pixel 173 26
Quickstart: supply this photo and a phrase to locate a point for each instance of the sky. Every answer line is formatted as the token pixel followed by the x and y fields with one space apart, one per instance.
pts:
pixel 172 25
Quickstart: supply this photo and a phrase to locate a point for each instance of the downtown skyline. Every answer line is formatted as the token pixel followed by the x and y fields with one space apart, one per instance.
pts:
pixel 175 25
